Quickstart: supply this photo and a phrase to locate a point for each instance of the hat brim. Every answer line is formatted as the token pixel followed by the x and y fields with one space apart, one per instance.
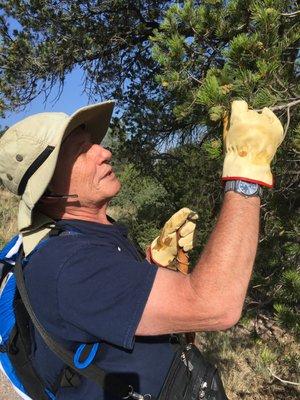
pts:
pixel 96 118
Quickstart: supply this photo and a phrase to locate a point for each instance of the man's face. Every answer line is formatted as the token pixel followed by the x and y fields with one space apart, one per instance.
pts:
pixel 83 169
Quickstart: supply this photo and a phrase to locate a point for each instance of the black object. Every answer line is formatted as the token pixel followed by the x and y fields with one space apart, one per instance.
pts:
pixel 19 351
pixel 191 377
pixel 5 268
pixel 33 168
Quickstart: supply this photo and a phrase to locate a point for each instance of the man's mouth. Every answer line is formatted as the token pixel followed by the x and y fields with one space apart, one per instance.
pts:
pixel 108 173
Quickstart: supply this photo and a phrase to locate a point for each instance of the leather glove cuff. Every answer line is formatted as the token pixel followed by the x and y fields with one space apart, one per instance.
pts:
pixel 237 167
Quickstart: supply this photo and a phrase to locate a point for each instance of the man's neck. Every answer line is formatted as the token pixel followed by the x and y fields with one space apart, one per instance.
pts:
pixel 98 216
pixel 92 214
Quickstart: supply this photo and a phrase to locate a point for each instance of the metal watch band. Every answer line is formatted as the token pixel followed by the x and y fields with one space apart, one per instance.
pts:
pixel 244 188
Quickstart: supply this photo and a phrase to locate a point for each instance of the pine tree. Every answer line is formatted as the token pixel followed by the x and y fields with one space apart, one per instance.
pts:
pixel 212 52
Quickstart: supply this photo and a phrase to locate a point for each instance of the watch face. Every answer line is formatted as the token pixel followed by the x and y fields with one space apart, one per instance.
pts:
pixel 247 187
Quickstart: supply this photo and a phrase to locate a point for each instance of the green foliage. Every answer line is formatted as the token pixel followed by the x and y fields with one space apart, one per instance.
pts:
pixel 210 93
pixel 287 297
pixel 264 98
pixel 213 148
pixel 139 203
pixel 42 41
pixel 287 317
pixel 247 50
pixel 149 198
pixel 267 356
pixel 291 286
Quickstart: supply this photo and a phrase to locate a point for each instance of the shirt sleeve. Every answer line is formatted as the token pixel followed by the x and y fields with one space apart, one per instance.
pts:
pixel 103 292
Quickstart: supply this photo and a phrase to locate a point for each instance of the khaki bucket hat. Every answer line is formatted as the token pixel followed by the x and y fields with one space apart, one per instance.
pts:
pixel 29 151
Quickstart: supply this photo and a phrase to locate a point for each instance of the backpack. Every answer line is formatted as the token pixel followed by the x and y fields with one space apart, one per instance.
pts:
pixel 15 332
pixel 8 324
pixel 16 318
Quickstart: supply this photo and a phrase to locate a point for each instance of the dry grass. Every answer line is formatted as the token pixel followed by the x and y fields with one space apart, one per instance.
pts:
pixel 8 215
pixel 8 227
pixel 247 357
pixel 245 354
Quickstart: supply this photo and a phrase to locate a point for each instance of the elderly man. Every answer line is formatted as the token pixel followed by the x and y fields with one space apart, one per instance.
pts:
pixel 92 286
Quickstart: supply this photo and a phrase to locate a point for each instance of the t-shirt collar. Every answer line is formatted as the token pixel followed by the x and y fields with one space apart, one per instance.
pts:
pixel 89 227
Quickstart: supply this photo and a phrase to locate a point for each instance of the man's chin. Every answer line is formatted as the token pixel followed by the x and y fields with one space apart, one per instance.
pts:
pixel 114 189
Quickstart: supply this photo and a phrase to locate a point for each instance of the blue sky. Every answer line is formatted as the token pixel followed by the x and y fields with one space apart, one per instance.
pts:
pixel 70 100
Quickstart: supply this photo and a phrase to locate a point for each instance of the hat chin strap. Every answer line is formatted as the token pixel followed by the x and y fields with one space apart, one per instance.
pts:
pixel 33 168
pixel 59 196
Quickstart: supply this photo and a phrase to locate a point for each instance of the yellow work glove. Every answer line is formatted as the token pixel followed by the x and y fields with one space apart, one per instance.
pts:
pixel 251 140
pixel 170 248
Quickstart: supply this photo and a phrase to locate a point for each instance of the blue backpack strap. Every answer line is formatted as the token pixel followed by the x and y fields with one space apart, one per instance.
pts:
pixel 8 246
pixel 15 346
pixel 10 250
pixel 82 350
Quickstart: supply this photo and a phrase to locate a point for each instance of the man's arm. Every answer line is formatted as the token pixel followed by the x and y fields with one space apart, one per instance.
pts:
pixel 212 296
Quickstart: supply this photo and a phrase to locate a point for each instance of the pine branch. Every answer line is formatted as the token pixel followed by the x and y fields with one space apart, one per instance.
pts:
pixel 282 380
pixel 284 106
pixel 288 112
pixel 291 15
pixel 194 78
pixel 286 89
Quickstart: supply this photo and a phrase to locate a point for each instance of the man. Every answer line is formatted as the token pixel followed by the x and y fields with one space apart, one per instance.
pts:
pixel 92 286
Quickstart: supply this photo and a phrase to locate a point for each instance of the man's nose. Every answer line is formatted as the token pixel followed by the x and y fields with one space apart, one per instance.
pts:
pixel 102 151
pixel 108 153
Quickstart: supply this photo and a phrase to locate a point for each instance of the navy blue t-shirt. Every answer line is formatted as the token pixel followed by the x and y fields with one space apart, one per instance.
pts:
pixel 93 287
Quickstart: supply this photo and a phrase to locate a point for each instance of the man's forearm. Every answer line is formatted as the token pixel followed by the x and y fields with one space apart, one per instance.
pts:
pixel 223 271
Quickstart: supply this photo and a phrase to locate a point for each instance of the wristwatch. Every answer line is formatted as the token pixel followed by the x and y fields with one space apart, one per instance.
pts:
pixel 247 189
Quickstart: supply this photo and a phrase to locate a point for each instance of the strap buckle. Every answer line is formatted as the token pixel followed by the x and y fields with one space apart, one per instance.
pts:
pixel 134 395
